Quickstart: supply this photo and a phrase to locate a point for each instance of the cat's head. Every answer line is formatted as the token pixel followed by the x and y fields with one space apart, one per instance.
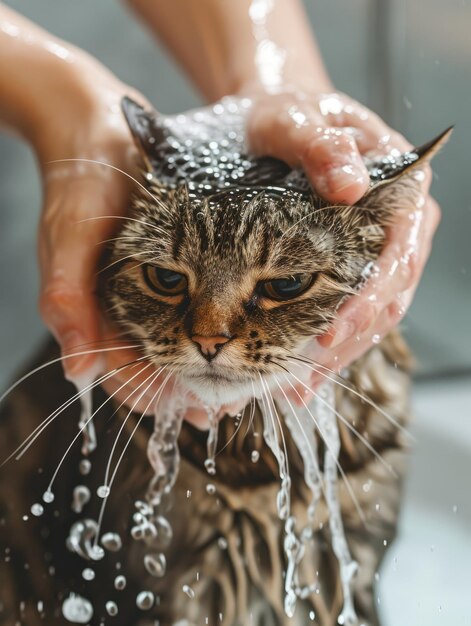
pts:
pixel 222 281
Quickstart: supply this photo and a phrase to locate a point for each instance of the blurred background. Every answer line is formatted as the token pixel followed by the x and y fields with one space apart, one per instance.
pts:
pixel 409 61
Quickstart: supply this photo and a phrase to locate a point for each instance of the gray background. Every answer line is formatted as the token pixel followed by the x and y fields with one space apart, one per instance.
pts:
pixel 408 60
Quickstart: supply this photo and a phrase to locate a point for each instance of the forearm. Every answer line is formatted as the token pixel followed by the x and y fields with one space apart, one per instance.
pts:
pixel 227 46
pixel 40 77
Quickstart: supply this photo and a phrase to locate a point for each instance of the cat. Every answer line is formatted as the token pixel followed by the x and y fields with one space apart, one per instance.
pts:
pixel 226 268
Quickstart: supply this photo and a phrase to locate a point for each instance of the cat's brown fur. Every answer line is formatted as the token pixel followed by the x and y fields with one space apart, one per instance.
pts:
pixel 225 243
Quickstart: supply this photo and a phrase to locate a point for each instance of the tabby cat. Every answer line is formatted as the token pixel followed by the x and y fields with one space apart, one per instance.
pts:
pixel 227 266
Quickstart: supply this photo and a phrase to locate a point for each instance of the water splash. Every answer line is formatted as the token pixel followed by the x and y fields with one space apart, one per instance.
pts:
pixel 81 540
pixel 150 525
pixel 324 404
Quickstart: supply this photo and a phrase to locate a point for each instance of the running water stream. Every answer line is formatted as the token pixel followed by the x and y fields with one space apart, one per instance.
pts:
pixel 153 528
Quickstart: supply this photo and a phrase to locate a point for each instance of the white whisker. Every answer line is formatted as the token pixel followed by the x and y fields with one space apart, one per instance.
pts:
pixel 91 418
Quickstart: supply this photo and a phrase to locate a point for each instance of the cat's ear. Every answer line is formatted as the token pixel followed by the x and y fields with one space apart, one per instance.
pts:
pixel 144 128
pixel 386 170
pixel 394 181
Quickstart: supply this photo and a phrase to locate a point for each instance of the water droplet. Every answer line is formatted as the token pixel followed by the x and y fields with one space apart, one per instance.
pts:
pixel 84 467
pixel 188 493
pixel 312 616
pixel 222 543
pixel 120 582
pixel 155 564
pixel 103 491
pixel 189 591
pixel 210 466
pixel 80 498
pixel 376 339
pixel 25 518
pixel 210 489
pixel 145 600
pixel 37 509
pixel 88 574
pixel 111 608
pixel 48 496
pixel 77 610
pixel 111 541
pixel 255 456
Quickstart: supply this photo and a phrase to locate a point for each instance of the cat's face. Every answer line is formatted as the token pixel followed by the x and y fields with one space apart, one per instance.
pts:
pixel 222 288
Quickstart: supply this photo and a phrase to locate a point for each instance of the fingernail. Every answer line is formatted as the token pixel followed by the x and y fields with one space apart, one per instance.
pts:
pixel 343 331
pixel 73 343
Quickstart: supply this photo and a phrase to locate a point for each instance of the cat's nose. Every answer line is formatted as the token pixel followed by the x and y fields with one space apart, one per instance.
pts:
pixel 210 346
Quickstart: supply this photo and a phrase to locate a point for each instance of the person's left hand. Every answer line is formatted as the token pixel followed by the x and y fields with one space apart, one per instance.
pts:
pixel 326 135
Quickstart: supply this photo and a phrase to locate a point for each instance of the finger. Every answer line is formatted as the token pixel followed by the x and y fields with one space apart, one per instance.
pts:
pixel 333 163
pixel 69 250
pixel 298 135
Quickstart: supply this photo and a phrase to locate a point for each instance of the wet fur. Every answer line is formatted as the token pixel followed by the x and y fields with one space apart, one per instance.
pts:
pixel 224 245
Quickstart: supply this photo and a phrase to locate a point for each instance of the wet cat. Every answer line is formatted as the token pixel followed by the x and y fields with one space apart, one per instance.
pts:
pixel 226 268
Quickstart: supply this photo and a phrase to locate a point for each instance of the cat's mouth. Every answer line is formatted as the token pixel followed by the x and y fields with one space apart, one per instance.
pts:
pixel 213 377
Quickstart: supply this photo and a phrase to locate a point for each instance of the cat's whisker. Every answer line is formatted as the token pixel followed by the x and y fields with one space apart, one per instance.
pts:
pixel 155 399
pixel 342 472
pixel 110 397
pixel 252 410
pixel 126 218
pixel 134 255
pixel 63 358
pixel 314 460
pixel 266 403
pixel 27 443
pixel 350 426
pixel 116 169
pixel 355 392
pixel 233 436
pixel 127 238
pixel 154 376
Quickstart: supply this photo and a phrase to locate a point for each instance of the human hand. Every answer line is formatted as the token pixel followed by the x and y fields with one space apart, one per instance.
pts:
pixel 326 135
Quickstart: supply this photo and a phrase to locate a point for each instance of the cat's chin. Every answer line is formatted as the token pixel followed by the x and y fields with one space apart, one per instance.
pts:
pixel 218 391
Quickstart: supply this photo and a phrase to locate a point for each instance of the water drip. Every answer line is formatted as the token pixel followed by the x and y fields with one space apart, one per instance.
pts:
pixel 212 441
pixel 145 600
pixel 120 582
pixel 324 403
pixel 155 564
pixel 81 540
pixel 77 610
pixel 80 498
pixel 111 542
pixel 111 608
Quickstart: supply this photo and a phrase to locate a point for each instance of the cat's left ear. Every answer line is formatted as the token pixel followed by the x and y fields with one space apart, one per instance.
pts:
pixel 394 183
pixel 144 127
pixel 386 170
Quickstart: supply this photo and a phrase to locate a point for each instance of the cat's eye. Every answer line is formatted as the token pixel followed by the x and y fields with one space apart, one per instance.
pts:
pixel 286 288
pixel 163 281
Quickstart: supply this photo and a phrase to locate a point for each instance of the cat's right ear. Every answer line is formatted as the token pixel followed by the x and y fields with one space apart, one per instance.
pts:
pixel 143 127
